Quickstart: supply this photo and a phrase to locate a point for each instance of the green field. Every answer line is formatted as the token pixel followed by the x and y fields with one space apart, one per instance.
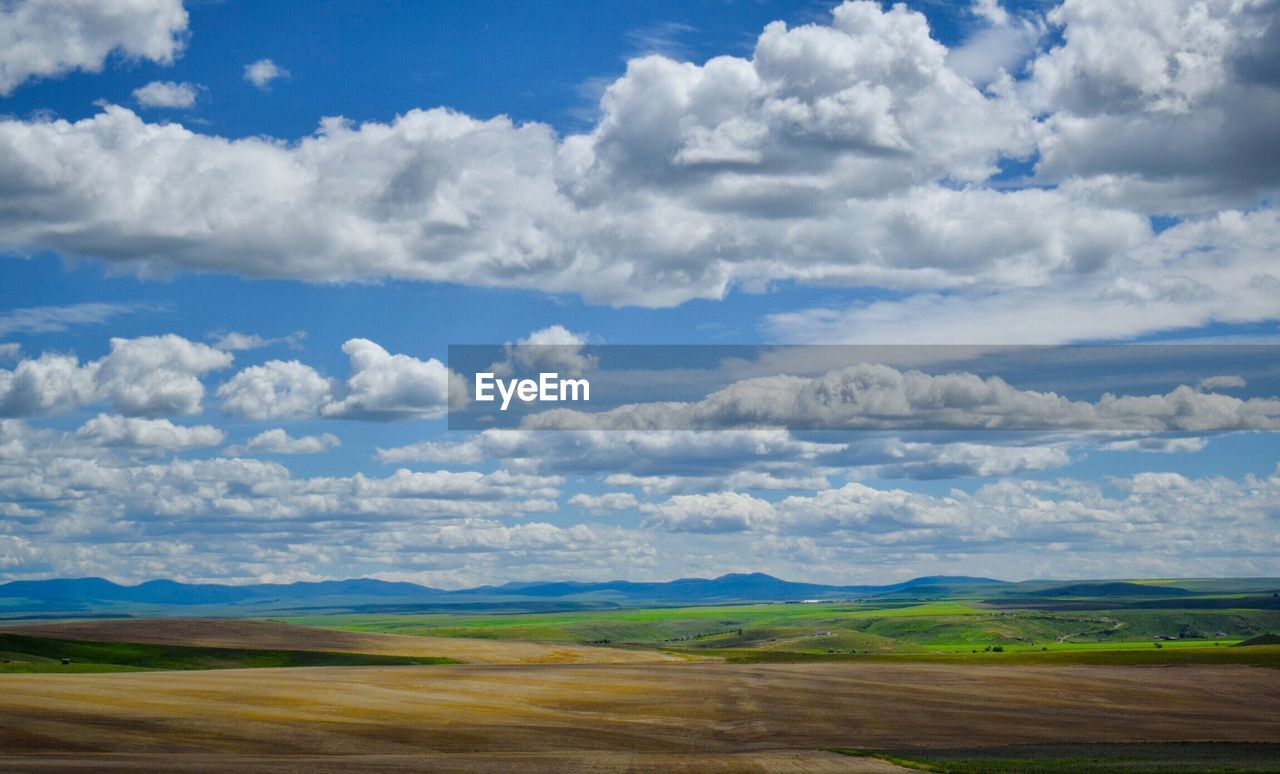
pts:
pixel 1131 758
pixel 946 630
pixel 24 654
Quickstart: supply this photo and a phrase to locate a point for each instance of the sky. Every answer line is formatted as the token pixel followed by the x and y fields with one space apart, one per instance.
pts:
pixel 237 240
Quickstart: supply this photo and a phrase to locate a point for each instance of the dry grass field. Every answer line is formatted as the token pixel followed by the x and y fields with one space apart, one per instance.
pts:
pixel 586 717
pixel 268 635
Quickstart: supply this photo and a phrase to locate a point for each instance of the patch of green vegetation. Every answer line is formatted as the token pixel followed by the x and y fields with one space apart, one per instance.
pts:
pixel 1261 656
pixel 19 653
pixel 1128 757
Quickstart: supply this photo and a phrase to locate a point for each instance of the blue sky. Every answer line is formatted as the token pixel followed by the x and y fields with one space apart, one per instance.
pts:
pixel 224 312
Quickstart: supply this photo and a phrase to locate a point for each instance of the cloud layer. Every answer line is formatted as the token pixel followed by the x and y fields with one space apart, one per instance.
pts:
pixel 851 153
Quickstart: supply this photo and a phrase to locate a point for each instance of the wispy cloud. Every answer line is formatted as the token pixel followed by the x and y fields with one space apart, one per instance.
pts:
pixel 56 319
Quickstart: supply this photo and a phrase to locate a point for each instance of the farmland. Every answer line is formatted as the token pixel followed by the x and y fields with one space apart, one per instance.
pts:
pixel 1179 676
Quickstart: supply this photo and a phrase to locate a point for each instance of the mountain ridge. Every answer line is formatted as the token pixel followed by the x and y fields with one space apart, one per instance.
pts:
pixel 734 587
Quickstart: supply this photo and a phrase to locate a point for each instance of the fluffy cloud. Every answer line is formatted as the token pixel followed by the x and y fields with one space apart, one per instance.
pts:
pixel 147 376
pixel 709 513
pixel 667 462
pixel 277 441
pixel 385 386
pixel 554 348
pixel 873 396
pixel 849 153
pixel 262 72
pixel 131 432
pixel 1153 513
pixel 275 389
pixel 165 94
pixel 156 375
pixel 598 505
pixel 44 38
pixel 381 386
pixel 1169 108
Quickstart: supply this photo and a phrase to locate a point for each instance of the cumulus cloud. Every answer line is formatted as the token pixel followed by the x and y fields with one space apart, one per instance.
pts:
pixel 1154 513
pixel 383 386
pixel 554 348
pixel 131 432
pixel 598 505
pixel 873 396
pixel 166 94
pixel 275 389
pixel 846 153
pixel 709 513
pixel 1166 108
pixel 277 441
pixel 262 72
pixel 47 38
pixel 147 376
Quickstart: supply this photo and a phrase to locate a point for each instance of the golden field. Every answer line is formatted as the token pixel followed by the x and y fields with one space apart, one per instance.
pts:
pixel 661 717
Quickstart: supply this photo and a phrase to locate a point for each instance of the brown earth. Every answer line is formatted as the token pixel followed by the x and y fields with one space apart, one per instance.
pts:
pixel 589 717
pixel 269 635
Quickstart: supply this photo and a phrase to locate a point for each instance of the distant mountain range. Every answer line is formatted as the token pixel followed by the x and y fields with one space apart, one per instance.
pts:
pixel 80 594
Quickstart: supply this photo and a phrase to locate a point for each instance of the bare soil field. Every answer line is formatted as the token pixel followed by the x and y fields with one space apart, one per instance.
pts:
pixel 590 717
pixel 269 635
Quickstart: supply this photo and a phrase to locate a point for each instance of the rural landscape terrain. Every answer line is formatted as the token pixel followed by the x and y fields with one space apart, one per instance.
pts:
pixel 742 672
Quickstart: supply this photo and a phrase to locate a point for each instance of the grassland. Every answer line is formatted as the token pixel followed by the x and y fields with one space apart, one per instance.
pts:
pixel 956 631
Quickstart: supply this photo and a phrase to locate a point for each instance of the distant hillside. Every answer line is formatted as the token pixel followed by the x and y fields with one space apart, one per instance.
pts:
pixel 80 594
pixel 1112 589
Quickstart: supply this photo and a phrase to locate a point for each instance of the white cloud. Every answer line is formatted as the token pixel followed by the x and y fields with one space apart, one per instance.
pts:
pixel 55 319
pixel 1170 107
pixel 156 375
pixel 166 94
pixel 598 505
pixel 262 72
pixel 709 513
pixel 277 441
pixel 554 348
pixel 1158 445
pixel 851 153
pixel 385 386
pixel 131 432
pixel 47 38
pixel 234 341
pixel 1222 382
pixel 146 376
pixel 1220 268
pixel 1155 514
pixel 10 351
pixel 275 389
pixel 873 396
